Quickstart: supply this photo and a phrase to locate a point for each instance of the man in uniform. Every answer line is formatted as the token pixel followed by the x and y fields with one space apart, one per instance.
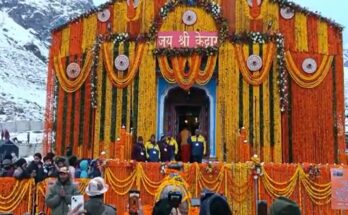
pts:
pixel 198 147
pixel 153 153
pixel 173 145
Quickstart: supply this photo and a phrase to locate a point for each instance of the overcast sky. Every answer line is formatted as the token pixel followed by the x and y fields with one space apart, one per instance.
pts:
pixel 335 9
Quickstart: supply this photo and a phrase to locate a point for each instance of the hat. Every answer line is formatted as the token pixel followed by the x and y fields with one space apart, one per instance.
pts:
pixel 96 187
pixel 284 206
pixel 64 169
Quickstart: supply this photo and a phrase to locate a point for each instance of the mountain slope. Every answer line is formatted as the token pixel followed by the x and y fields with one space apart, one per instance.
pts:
pixel 24 39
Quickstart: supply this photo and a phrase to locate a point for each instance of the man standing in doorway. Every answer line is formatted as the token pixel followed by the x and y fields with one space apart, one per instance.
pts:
pixel 185 135
pixel 198 147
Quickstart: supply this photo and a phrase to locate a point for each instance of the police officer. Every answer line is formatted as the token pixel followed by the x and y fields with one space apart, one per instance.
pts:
pixel 198 147
pixel 153 153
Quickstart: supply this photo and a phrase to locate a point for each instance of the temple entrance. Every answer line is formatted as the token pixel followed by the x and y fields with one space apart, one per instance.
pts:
pixel 186 109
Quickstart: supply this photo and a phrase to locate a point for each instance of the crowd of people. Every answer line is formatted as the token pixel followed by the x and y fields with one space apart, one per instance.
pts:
pixel 65 169
pixel 41 168
pixel 193 148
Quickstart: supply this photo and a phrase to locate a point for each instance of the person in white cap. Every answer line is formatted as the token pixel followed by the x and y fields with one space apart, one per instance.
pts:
pixel 59 195
pixel 95 205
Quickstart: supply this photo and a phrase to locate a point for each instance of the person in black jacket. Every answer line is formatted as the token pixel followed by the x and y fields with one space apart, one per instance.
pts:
pixel 213 203
pixel 139 152
pixel 35 168
pixel 21 169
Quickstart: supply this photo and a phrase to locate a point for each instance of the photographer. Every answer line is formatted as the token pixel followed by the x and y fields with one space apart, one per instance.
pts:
pixel 171 203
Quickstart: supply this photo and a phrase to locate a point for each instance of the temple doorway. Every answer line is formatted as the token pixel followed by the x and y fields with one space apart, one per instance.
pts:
pixel 186 109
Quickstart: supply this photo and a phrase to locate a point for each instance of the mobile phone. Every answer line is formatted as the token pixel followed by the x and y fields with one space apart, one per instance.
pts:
pixel 76 201
pixel 134 196
pixel 195 202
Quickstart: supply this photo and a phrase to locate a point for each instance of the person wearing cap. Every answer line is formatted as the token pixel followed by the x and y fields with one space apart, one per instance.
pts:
pixel 153 153
pixel 198 147
pixel 95 205
pixel 59 194
pixel 172 144
pixel 284 206
pixel 35 168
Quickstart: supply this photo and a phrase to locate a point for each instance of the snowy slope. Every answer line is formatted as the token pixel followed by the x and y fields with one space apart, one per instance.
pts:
pixel 24 39
pixel 22 73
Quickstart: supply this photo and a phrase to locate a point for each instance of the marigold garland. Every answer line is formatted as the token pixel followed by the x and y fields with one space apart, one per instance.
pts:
pixel 135 60
pixel 185 79
pixel 72 85
pixel 308 81
pixel 255 78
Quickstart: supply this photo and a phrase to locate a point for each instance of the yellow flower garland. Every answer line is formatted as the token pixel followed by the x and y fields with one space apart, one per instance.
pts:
pixel 89 32
pixel 307 81
pixel 96 148
pixel 147 15
pixel 323 46
pixel 119 20
pixel 301 32
pixel 65 43
pixel 147 94
pixel 227 113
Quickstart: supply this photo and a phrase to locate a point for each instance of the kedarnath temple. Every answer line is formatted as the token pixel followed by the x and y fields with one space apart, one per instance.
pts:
pixel 255 76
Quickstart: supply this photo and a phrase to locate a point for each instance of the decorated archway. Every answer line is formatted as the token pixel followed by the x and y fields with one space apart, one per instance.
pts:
pixel 209 90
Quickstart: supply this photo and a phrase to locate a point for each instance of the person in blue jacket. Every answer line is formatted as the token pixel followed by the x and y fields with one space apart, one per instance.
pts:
pixel 198 147
pixel 153 153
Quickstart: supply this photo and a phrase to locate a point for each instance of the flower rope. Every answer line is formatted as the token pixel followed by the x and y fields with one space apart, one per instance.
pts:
pixel 308 81
pixel 72 85
pixel 185 79
pixel 277 189
pixel 258 77
pixel 116 77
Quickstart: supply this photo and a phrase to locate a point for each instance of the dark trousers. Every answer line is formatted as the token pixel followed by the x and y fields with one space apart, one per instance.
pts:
pixel 196 158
